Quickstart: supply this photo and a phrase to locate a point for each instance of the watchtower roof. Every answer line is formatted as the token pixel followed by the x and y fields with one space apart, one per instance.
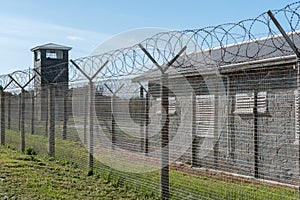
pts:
pixel 51 46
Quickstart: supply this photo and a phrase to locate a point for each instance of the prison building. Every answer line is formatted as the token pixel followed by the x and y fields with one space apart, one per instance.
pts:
pixel 51 62
pixel 242 117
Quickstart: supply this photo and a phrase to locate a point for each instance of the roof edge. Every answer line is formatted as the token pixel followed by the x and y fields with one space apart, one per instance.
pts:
pixel 51 46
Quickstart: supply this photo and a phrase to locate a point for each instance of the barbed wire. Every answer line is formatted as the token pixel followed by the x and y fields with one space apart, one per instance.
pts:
pixel 247 40
pixel 121 120
pixel 214 46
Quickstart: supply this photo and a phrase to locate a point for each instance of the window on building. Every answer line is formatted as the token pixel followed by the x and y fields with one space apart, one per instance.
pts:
pixel 54 54
pixel 37 55
pixel 244 103
pixel 172 105
pixel 205 115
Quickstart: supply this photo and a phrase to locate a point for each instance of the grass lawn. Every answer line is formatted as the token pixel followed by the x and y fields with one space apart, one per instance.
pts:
pixel 36 177
pixel 65 177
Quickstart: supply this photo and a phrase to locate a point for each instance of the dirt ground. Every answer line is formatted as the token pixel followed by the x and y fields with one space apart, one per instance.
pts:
pixel 227 177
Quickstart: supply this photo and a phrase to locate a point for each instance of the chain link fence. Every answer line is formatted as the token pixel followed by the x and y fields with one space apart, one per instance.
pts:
pixel 211 113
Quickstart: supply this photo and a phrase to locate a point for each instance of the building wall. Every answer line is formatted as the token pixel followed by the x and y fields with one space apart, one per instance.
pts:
pixel 277 151
pixel 232 147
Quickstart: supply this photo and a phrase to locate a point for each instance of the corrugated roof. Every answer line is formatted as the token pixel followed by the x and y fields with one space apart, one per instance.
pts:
pixel 51 46
pixel 262 50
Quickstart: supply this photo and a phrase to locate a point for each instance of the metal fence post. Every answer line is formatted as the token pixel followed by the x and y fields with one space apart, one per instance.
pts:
pixel 22 121
pixel 2 137
pixel 255 135
pixel 145 119
pixel 165 137
pixel 147 124
pixel 91 97
pixel 91 118
pixel 46 96
pixel 51 108
pixel 65 117
pixel 50 111
pixel 2 116
pixel 20 112
pixel 113 122
pixel 217 133
pixel 113 135
pixel 22 97
pixel 194 139
pixel 85 120
pixel 32 113
pixel 231 135
pixel 9 111
pixel 165 193
pixel 141 121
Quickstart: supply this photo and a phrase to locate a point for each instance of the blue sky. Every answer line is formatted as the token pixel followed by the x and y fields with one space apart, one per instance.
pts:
pixel 83 24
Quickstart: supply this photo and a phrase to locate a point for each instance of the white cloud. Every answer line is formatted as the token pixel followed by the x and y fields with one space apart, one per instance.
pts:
pixel 73 38
pixel 126 39
pixel 18 36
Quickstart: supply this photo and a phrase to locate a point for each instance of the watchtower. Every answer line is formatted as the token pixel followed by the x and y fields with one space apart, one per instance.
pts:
pixel 51 61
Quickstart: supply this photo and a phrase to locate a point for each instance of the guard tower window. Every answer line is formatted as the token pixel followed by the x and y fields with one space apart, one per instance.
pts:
pixel 37 55
pixel 54 54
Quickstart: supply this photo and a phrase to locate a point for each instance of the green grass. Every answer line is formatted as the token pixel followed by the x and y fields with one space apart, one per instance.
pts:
pixel 214 188
pixel 36 177
pixel 71 161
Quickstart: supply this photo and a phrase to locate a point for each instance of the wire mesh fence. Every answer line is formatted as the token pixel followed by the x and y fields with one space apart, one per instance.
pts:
pixel 210 113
